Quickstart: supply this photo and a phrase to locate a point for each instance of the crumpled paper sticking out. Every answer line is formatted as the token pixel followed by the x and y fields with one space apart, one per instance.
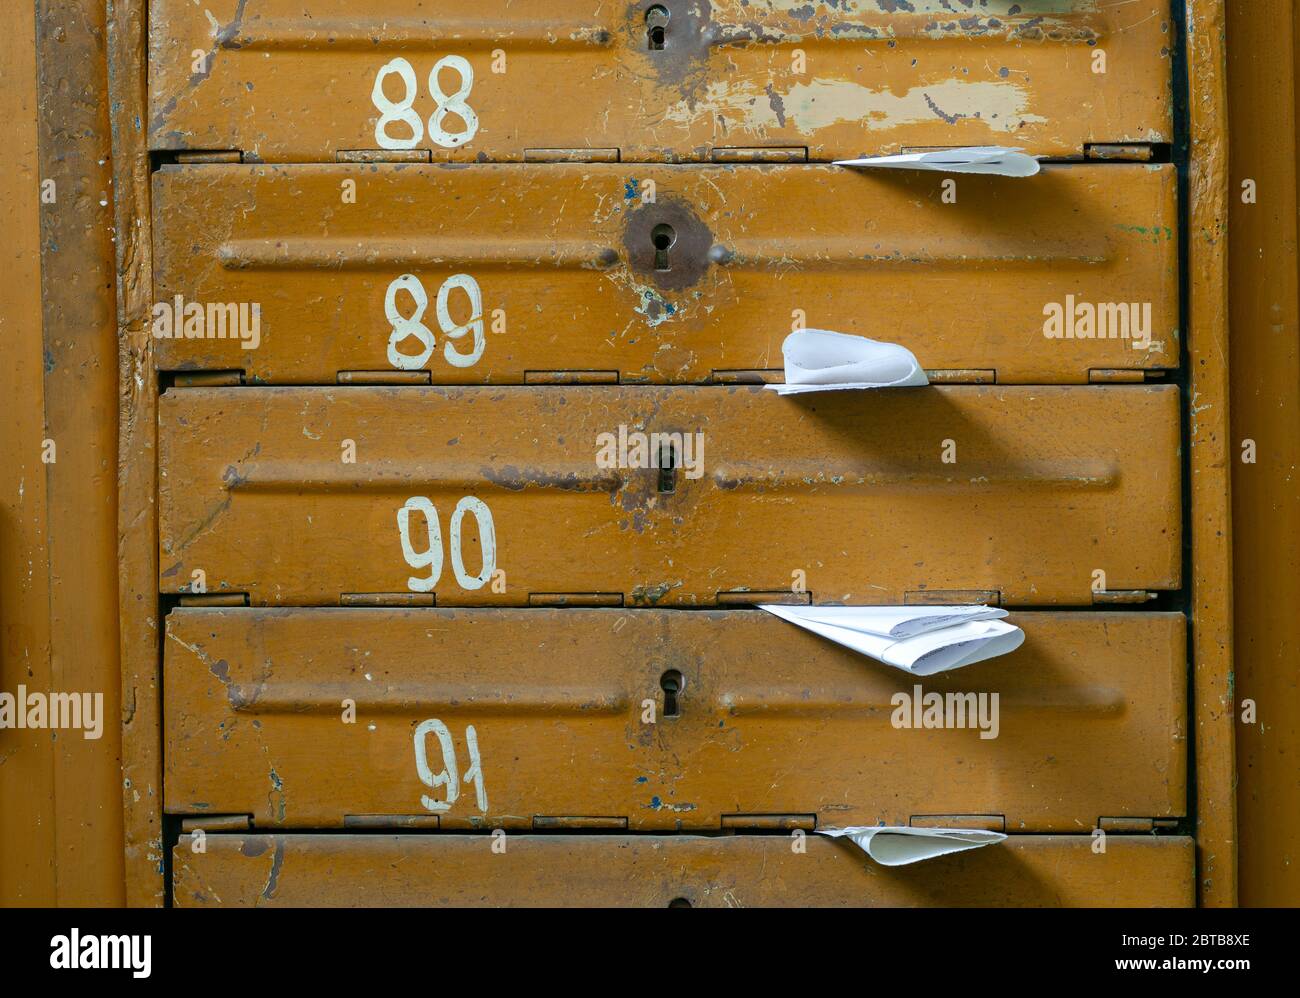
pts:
pixel 899 846
pixel 920 640
pixel 993 160
pixel 817 360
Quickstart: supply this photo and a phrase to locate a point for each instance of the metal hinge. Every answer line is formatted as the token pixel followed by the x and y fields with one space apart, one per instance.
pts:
pixel 578 822
pixel 753 597
pixel 383 156
pixel 578 155
pixel 1116 376
pixel 760 154
pixel 1131 152
pixel 752 376
pixel 976 822
pixel 570 377
pixel 206 379
pixel 198 156
pixel 217 823
pixel 1133 826
pixel 575 599
pixel 214 599
pixel 387 599
pixel 769 822
pixel 1124 596
pixel 962 376
pixel 425 821
pixel 952 597
pixel 385 378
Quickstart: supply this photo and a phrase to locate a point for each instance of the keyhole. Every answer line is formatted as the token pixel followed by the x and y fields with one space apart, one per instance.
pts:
pixel 656 23
pixel 667 468
pixel 671 683
pixel 662 236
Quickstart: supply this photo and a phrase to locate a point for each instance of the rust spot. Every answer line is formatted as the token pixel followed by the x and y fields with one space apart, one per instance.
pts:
pixel 685 258
pixel 686 38
pixel 254 846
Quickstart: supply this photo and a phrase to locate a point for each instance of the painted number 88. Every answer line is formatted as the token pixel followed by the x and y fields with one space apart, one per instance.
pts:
pixel 403 111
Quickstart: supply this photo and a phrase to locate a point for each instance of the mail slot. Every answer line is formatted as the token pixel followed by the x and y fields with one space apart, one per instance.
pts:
pixel 671 497
pixel 288 80
pixel 660 719
pixel 502 274
pixel 658 871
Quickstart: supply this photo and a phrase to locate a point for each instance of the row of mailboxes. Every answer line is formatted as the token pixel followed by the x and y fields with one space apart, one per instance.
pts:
pixel 750 871
pixel 314 718
pixel 663 80
pixel 668 496
pixel 517 273
pixel 468 482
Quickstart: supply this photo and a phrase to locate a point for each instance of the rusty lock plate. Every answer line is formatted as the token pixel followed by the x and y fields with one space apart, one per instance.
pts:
pixel 310 80
pixel 499 274
pixel 656 871
pixel 658 719
pixel 497 496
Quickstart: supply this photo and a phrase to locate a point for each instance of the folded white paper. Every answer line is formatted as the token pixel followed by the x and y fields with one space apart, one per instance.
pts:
pixel 899 846
pixel 921 640
pixel 817 360
pixel 993 160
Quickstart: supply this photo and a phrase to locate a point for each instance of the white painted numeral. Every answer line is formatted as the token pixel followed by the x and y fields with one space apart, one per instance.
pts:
pixel 404 110
pixel 449 775
pixel 431 556
pixel 404 327
pixel 487 536
pixel 453 104
pixel 454 331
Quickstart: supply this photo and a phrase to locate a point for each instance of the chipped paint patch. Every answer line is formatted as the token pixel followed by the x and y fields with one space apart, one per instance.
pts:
pixel 809 107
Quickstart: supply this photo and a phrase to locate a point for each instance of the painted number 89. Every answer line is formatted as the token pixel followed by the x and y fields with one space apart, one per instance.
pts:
pixel 406 327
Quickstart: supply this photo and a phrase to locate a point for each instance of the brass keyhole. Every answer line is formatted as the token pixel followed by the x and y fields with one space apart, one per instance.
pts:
pixel 662 236
pixel 656 27
pixel 671 682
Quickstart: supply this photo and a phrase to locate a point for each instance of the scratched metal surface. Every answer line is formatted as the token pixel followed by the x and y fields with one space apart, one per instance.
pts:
pixel 1047 486
pixel 292 80
pixel 562 262
pixel 769 720
pixel 1039 871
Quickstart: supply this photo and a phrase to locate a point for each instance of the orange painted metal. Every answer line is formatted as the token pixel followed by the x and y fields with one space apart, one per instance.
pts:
pixel 1265 443
pixel 570 720
pixel 320 106
pixel 1046 487
pixel 1209 457
pixel 139 616
pixel 60 819
pixel 288 80
pixel 563 263
pixel 26 762
pixel 657 871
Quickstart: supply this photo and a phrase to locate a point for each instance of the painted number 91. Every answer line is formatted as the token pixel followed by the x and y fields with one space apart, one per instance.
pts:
pixel 449 776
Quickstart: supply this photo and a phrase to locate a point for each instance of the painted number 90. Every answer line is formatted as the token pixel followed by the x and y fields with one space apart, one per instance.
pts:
pixel 431 557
